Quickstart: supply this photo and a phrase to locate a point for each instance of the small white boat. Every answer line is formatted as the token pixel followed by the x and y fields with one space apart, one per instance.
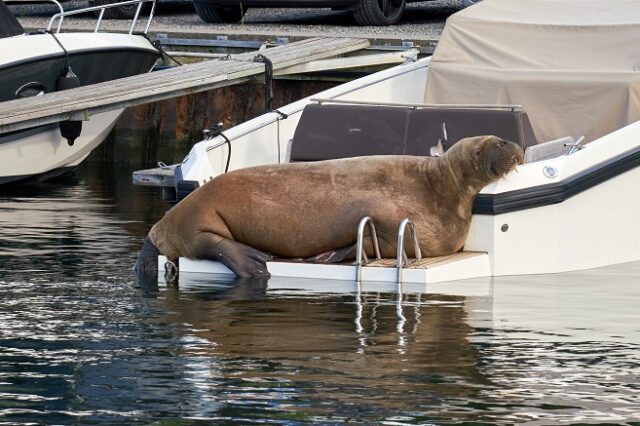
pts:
pixel 32 64
pixel 561 78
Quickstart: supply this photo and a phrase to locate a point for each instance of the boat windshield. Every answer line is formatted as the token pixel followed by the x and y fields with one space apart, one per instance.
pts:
pixel 9 25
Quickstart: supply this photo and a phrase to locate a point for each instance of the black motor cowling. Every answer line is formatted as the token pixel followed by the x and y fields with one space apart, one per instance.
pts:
pixel 69 129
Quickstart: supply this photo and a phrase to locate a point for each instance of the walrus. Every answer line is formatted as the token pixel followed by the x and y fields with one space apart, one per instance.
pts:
pixel 311 210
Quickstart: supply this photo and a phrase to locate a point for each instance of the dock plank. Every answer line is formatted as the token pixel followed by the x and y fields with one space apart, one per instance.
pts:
pixel 426 262
pixel 81 103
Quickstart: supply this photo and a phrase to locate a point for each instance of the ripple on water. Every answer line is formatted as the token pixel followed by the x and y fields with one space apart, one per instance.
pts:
pixel 80 342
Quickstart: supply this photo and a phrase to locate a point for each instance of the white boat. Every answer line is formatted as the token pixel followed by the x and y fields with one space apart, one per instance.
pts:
pixel 562 78
pixel 32 64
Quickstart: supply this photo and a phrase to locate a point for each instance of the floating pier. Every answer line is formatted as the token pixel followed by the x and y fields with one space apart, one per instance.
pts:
pixel 81 103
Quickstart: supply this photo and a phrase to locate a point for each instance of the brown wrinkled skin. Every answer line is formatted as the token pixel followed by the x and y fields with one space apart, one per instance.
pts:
pixel 305 209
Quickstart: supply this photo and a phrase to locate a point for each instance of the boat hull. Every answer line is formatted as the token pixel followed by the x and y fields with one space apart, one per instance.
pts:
pixel 34 63
pixel 94 58
pixel 43 153
pixel 573 212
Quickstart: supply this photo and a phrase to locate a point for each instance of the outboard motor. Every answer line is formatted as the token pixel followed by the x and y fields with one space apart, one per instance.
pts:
pixel 69 129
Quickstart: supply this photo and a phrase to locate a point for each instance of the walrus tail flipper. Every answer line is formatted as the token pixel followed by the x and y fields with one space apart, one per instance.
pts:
pixel 146 267
pixel 244 261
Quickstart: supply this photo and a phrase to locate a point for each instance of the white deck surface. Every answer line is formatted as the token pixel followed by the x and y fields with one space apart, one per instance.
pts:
pixel 469 265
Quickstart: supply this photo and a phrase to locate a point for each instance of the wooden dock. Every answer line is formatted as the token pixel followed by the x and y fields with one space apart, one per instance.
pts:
pixel 81 103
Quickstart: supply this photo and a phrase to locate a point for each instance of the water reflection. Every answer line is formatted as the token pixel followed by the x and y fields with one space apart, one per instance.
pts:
pixel 81 342
pixel 310 343
pixel 68 228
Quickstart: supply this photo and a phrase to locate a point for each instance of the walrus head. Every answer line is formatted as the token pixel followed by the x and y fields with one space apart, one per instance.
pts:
pixel 481 160
pixel 146 267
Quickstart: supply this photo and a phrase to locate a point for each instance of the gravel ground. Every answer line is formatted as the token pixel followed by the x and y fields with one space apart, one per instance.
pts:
pixel 422 21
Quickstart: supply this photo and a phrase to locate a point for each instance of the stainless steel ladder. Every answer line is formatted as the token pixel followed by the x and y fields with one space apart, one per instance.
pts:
pixel 360 253
pixel 401 258
pixel 401 255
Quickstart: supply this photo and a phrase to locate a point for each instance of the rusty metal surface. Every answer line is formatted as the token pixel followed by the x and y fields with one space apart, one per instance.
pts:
pixel 166 130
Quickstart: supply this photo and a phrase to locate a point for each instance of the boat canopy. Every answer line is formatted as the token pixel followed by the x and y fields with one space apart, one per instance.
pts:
pixel 573 64
pixel 9 25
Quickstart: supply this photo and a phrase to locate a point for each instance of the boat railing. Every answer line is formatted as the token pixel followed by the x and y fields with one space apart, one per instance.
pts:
pixel 57 3
pixel 59 17
pixel 509 107
pixel 102 8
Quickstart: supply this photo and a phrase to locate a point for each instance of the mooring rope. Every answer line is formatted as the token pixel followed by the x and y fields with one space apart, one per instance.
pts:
pixel 66 53
pixel 158 45
pixel 268 80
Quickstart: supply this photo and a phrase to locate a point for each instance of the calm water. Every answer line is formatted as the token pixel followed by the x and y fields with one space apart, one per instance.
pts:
pixel 81 343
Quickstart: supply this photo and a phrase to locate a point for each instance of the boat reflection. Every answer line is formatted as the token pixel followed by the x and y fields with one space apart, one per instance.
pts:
pixel 404 342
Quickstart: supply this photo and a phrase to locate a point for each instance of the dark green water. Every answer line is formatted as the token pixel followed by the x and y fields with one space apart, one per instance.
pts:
pixel 82 343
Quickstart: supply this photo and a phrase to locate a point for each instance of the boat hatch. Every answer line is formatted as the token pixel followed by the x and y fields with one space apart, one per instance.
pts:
pixel 340 130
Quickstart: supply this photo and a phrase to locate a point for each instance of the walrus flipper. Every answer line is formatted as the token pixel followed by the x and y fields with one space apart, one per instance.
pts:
pixel 244 261
pixel 335 256
pixel 146 267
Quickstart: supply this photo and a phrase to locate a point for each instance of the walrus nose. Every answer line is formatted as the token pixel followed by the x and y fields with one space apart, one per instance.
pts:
pixel 503 143
pixel 518 153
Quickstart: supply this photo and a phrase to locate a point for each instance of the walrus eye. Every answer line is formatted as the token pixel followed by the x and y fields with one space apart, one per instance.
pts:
pixel 478 151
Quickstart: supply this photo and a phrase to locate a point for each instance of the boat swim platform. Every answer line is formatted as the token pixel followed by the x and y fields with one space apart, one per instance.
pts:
pixel 429 270
pixel 80 103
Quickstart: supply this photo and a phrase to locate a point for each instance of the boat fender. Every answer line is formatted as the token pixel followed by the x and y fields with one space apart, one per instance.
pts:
pixel 69 129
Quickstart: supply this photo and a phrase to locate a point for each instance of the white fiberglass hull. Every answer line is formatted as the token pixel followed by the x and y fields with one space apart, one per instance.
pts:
pixel 586 216
pixel 33 63
pixel 572 212
pixel 43 151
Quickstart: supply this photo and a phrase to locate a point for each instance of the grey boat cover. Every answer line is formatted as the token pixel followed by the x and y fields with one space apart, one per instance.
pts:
pixel 9 25
pixel 573 64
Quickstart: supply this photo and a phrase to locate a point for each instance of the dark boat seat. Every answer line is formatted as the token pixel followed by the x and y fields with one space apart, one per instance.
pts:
pixel 330 131
pixel 425 127
pixel 9 25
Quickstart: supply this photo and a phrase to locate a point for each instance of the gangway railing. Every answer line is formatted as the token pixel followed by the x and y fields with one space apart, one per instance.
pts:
pixel 401 255
pixel 101 8
pixel 360 252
